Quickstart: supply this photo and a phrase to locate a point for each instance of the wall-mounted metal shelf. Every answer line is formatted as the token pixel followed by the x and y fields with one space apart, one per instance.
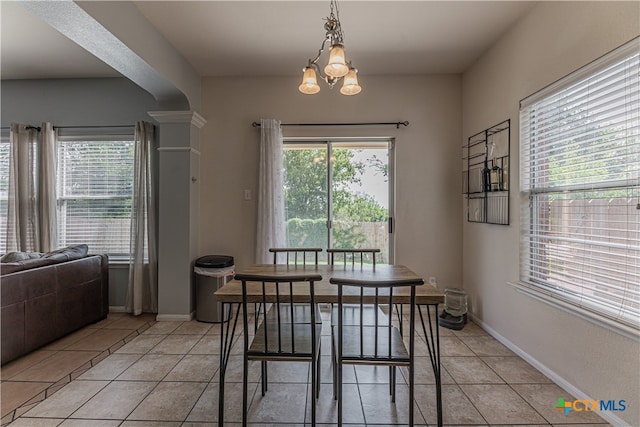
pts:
pixel 485 174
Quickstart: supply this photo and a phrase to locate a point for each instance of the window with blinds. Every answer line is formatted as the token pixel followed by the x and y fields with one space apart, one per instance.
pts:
pixel 580 173
pixel 95 185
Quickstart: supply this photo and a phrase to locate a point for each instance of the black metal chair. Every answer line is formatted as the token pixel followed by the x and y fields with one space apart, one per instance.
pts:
pixel 373 343
pixel 282 336
pixel 350 256
pixel 291 255
pixel 352 314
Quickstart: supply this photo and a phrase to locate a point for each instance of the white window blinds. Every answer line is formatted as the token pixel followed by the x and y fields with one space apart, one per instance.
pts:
pixel 580 174
pixel 95 184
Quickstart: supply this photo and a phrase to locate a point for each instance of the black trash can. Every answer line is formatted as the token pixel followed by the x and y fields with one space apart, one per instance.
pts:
pixel 212 271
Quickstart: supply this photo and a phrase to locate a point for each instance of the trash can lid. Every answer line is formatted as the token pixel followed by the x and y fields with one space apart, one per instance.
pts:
pixel 214 261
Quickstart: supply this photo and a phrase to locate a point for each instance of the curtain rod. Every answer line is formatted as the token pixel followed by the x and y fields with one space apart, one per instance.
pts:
pixel 75 127
pixel 27 126
pixel 91 127
pixel 396 124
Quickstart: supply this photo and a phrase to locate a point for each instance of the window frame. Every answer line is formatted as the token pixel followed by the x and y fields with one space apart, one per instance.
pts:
pixel 95 135
pixel 560 295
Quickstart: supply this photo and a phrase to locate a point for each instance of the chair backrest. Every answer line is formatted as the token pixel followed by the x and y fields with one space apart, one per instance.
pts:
pixel 351 256
pixel 295 255
pixel 378 340
pixel 279 333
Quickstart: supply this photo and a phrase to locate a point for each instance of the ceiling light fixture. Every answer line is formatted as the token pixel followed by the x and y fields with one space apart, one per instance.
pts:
pixel 338 66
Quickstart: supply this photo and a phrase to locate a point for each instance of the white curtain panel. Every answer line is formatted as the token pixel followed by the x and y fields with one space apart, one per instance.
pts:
pixel 271 226
pixel 143 263
pixel 48 154
pixel 31 210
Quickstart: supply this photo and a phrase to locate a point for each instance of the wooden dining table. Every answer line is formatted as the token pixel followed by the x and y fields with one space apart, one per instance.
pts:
pixel 427 300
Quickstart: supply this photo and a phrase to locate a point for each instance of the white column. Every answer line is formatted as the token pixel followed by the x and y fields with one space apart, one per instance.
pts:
pixel 178 211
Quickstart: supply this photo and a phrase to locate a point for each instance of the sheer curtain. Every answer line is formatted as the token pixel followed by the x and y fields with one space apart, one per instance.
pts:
pixel 47 184
pixel 271 226
pixel 31 210
pixel 142 291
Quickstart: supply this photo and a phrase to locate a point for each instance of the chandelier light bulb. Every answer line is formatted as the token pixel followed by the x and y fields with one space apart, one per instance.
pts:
pixel 350 85
pixel 309 84
pixel 337 66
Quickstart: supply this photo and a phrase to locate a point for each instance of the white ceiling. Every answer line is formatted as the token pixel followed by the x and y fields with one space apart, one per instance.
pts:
pixel 262 38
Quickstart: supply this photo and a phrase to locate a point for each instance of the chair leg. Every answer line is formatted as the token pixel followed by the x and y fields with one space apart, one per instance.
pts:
pixel 338 390
pixel 334 368
pixel 245 389
pixel 318 371
pixel 392 382
pixel 314 391
pixel 263 368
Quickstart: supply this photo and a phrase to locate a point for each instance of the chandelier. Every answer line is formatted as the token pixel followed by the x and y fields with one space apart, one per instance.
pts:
pixel 338 67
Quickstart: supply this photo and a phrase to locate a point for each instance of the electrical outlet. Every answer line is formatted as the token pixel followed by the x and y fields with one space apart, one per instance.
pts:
pixel 247 194
pixel 432 280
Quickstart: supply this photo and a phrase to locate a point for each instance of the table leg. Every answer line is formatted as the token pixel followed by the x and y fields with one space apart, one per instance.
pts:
pixel 226 342
pixel 433 345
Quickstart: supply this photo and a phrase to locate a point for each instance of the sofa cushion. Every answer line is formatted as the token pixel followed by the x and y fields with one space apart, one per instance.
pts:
pixel 68 254
pixel 12 267
pixel 19 256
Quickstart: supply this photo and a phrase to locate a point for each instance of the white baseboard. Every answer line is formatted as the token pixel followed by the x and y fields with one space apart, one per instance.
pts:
pixel 557 379
pixel 117 309
pixel 175 317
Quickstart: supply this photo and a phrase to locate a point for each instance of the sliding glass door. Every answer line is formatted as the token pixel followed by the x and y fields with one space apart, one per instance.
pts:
pixel 338 194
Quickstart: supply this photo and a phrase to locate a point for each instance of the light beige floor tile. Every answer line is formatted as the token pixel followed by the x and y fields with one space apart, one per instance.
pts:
pixel 100 340
pixel 14 394
pixel 423 373
pixel 379 409
pixel 158 424
pixel 150 367
pixel 327 407
pixel 457 409
pixel 37 422
pixel 194 367
pixel 70 339
pixel 367 374
pixel 544 397
pixel 175 344
pixel 514 370
pixel 486 346
pixel 130 322
pixel 193 328
pixel 288 372
pixel 470 370
pixel 115 401
pixel 67 400
pixel 499 404
pixel 453 346
pixel 163 328
pixel 234 370
pixel 11 369
pixel 206 408
pixel 208 344
pixel 169 401
pixel 283 403
pixel 90 423
pixel 55 367
pixel 110 367
pixel 470 329
pixel 141 344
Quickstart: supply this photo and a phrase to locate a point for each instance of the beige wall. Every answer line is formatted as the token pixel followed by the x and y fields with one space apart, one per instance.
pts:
pixel 427 164
pixel 554 39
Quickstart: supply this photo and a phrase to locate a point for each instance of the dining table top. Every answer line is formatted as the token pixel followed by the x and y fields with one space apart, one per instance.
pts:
pixel 326 292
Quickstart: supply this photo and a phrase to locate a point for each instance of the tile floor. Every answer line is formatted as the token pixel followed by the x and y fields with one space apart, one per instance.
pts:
pixel 132 372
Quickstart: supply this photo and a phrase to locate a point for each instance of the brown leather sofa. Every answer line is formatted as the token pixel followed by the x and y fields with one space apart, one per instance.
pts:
pixel 45 298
